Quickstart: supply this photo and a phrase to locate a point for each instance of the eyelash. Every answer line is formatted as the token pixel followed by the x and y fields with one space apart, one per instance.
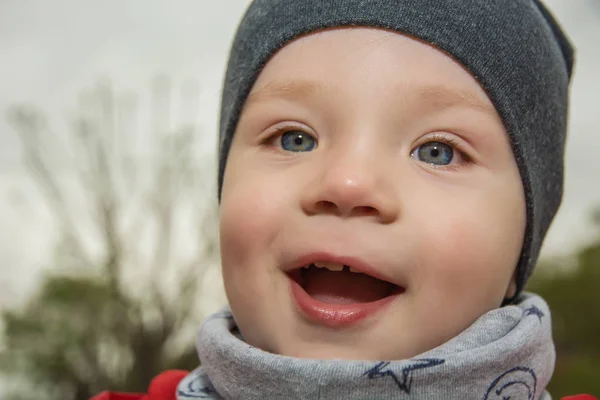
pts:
pixel 280 130
pixel 436 137
pixel 452 142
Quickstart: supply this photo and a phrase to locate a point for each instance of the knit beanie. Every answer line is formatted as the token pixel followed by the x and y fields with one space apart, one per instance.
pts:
pixel 514 48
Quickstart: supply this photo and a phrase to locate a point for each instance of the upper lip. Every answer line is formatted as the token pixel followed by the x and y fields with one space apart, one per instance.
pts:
pixel 355 262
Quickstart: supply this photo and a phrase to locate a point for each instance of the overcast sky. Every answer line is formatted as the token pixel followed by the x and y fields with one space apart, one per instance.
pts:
pixel 51 50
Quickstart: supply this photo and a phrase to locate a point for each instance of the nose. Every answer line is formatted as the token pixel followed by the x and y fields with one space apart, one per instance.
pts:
pixel 352 185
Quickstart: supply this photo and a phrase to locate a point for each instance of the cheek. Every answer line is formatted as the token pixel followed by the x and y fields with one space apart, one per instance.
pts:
pixel 245 224
pixel 474 248
pixel 252 213
pixel 248 224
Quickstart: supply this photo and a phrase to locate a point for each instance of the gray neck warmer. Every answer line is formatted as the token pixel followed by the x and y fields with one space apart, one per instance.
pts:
pixel 508 353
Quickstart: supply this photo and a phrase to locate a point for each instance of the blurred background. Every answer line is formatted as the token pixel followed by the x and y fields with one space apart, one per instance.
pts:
pixel 108 248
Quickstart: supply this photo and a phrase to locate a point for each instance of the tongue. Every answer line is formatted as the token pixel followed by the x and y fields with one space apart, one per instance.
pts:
pixel 344 287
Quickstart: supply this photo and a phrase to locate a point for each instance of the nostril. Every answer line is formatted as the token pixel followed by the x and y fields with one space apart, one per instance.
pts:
pixel 326 206
pixel 365 211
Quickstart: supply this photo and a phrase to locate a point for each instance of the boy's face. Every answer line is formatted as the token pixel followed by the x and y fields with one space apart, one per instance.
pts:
pixel 371 149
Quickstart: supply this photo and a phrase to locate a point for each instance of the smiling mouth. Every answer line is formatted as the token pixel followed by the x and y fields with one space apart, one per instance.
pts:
pixel 339 284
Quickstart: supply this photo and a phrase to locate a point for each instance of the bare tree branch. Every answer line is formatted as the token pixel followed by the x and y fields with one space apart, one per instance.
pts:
pixel 134 209
pixel 30 125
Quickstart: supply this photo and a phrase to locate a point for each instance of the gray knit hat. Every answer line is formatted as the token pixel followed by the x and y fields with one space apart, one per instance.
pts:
pixel 514 48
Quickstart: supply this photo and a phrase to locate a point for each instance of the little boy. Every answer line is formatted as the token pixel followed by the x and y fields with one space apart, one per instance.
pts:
pixel 388 171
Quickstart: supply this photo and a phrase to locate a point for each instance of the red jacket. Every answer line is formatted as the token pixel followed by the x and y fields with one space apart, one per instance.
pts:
pixel 164 387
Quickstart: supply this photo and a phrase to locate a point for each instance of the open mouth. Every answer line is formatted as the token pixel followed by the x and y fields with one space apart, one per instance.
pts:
pixel 339 284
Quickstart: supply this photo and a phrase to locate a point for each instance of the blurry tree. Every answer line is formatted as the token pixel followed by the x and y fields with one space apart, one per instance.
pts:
pixel 121 301
pixel 573 295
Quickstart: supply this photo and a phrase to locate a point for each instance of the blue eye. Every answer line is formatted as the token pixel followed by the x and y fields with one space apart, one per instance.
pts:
pixel 436 153
pixel 297 141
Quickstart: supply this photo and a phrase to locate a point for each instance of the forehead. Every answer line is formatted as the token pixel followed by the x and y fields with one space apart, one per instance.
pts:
pixel 368 61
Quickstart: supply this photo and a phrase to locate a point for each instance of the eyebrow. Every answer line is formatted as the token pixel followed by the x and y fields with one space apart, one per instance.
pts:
pixel 289 90
pixel 446 97
pixel 438 96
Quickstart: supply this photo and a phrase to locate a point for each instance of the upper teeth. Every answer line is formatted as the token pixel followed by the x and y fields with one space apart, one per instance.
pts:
pixel 329 265
pixel 333 266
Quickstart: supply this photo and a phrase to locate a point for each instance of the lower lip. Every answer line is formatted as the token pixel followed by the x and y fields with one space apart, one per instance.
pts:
pixel 336 315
